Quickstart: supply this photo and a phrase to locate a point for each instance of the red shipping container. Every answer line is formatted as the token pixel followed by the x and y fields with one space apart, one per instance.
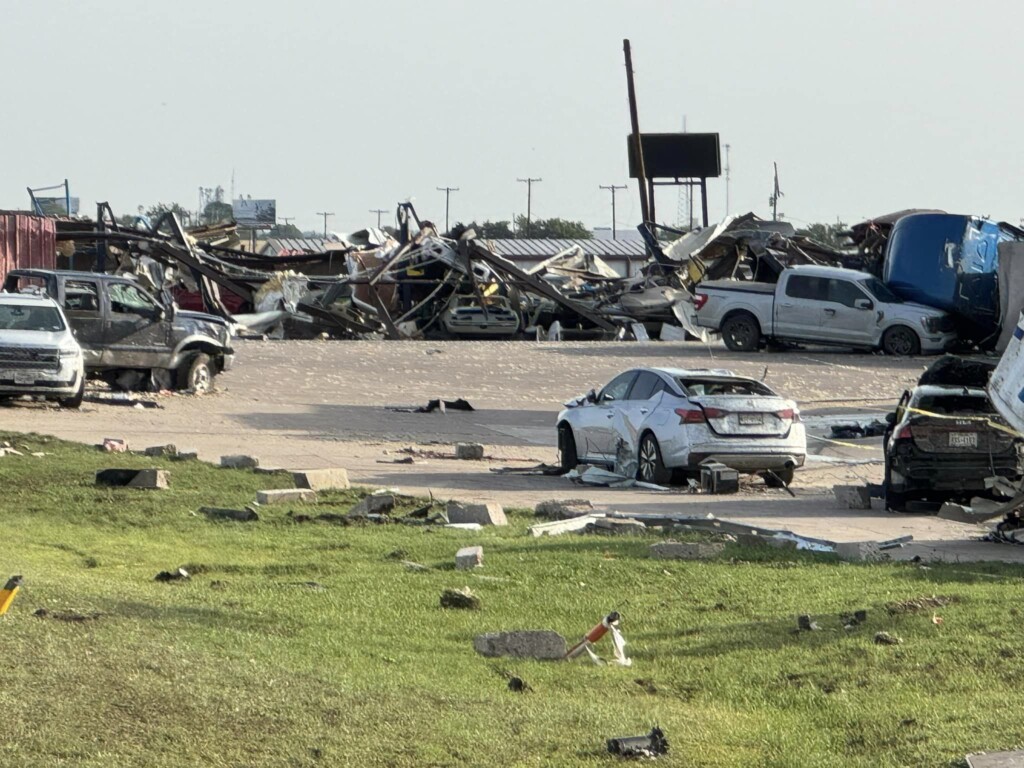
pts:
pixel 27 242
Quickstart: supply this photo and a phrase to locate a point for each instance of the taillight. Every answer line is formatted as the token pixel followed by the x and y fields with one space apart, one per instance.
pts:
pixel 789 413
pixel 699 300
pixel 715 413
pixel 686 416
pixel 905 434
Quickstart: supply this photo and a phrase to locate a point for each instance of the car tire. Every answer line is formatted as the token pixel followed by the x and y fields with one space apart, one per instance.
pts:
pixel 568 460
pixel 75 401
pixel 650 467
pixel 901 341
pixel 741 333
pixel 779 478
pixel 196 374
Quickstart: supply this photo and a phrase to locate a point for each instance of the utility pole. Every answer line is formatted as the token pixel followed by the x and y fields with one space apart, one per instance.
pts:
pixel 634 122
pixel 773 201
pixel 447 195
pixel 325 214
pixel 529 199
pixel 612 188
pixel 727 177
pixel 378 211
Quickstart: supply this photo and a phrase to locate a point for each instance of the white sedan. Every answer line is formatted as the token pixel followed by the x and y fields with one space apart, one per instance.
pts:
pixel 670 419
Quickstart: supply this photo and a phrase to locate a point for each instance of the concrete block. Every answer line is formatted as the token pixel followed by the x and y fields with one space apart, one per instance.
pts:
pixel 469 557
pixel 375 504
pixel 564 509
pixel 860 551
pixel 218 513
pixel 168 450
pixel 187 456
pixel 460 598
pixel 485 514
pixel 675 550
pixel 523 644
pixel 1013 759
pixel 335 479
pixel 756 540
pixel 852 496
pixel 114 445
pixel 616 525
pixel 134 478
pixel 239 462
pixel 470 451
pixel 285 496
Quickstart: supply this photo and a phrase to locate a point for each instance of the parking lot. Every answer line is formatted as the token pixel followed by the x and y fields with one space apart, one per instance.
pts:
pixel 296 404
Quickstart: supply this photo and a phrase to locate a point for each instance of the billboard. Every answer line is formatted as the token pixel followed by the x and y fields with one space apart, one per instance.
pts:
pixel 677 156
pixel 56 206
pixel 255 213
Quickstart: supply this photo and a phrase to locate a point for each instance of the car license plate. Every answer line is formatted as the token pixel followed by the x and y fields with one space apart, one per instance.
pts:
pixel 24 377
pixel 751 419
pixel 963 439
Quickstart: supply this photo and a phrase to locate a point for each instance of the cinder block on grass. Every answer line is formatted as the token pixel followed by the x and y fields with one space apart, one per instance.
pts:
pixel 335 479
pixel 285 496
pixel 484 514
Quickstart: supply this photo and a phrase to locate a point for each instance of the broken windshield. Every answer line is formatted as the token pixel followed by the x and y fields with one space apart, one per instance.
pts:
pixel 880 291
pixel 18 317
pixel 705 386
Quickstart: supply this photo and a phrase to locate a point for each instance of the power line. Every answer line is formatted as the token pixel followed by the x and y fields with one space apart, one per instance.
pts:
pixel 378 211
pixel 325 214
pixel 447 195
pixel 529 199
pixel 612 188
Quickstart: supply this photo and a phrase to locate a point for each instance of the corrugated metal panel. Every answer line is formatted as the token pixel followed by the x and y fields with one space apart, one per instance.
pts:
pixel 545 248
pixel 27 242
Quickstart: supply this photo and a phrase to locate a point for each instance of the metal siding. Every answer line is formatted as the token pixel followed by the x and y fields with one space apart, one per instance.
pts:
pixel 543 248
pixel 27 242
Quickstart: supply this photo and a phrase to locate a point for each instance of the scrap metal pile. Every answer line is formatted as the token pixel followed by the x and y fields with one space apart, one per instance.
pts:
pixel 411 282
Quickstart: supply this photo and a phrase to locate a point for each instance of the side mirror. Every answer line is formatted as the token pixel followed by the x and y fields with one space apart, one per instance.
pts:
pixel 592 396
pixel 863 304
pixel 890 418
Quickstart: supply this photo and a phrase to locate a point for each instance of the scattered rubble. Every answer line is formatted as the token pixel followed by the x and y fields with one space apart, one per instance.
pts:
pixel 153 479
pixel 490 513
pixel 805 624
pixel 563 509
pixel 68 616
pixel 246 515
pixel 374 504
pixel 162 451
pixel 239 462
pixel 335 479
pixel 469 451
pixel 884 638
pixel 674 550
pixel 179 575
pixel 460 598
pixel 852 496
pixel 1013 759
pixel 285 496
pixel 650 746
pixel 527 644
pixel 469 557
pixel 921 603
pixel 114 445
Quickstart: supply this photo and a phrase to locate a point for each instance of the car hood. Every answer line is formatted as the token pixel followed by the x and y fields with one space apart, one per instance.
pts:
pixel 186 314
pixel 38 339
pixel 913 308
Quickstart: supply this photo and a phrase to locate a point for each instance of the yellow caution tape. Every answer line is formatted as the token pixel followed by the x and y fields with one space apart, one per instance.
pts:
pixel 840 442
pixel 979 419
pixel 8 592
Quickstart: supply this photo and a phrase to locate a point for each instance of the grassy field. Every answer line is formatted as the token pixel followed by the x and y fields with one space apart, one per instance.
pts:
pixel 313 645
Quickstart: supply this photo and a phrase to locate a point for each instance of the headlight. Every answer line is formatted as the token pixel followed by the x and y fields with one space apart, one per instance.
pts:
pixel 931 324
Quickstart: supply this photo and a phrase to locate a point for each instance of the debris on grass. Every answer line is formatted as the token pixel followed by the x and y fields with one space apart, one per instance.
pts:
pixel 460 598
pixel 218 513
pixel 609 623
pixel 921 603
pixel 650 746
pixel 518 685
pixel 178 575
pixel 884 638
pixel 68 616
pixel 805 624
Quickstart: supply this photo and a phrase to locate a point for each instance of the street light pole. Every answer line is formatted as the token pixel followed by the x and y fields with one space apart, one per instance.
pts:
pixel 378 211
pixel 529 199
pixel 447 195
pixel 612 188
pixel 325 214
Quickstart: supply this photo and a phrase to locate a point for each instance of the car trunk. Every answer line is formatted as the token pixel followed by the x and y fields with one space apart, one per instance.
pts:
pixel 961 436
pixel 745 416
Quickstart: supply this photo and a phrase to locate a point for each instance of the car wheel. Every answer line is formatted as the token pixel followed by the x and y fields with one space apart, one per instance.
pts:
pixel 196 374
pixel 902 341
pixel 741 333
pixel 567 448
pixel 75 401
pixel 779 478
pixel 651 468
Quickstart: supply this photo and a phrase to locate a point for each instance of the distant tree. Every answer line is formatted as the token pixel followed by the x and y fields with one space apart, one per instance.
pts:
pixel 217 212
pixel 489 230
pixel 556 228
pixel 827 234
pixel 155 211
pixel 287 230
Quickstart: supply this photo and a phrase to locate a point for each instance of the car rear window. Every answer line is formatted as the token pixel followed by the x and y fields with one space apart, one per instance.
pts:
pixel 710 386
pixel 19 317
pixel 945 404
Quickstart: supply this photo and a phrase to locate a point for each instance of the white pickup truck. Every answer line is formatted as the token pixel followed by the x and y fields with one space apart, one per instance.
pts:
pixel 820 305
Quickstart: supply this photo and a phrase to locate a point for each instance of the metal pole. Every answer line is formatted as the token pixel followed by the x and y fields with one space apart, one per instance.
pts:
pixel 325 214
pixel 529 199
pixel 727 177
pixel 645 208
pixel 612 188
pixel 447 194
pixel 704 199
pixel 67 198
pixel 378 211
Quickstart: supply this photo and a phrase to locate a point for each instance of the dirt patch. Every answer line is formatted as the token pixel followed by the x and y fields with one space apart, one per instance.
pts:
pixel 68 616
pixel 921 604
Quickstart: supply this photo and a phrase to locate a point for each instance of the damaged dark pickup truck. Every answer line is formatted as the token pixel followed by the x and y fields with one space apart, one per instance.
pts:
pixel 129 337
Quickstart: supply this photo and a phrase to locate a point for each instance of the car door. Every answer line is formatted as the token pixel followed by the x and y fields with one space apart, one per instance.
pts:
pixel 798 310
pixel 137 331
pixel 83 307
pixel 848 314
pixel 598 432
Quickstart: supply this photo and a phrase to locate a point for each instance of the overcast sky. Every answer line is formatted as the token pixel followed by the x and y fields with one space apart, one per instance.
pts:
pixel 867 107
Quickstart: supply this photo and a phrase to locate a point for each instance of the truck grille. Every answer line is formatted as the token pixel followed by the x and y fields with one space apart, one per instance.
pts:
pixel 29 357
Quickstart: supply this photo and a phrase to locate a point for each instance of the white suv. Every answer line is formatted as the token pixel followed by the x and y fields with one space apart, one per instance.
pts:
pixel 39 355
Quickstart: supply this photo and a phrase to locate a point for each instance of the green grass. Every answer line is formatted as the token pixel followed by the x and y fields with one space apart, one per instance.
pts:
pixel 247 664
